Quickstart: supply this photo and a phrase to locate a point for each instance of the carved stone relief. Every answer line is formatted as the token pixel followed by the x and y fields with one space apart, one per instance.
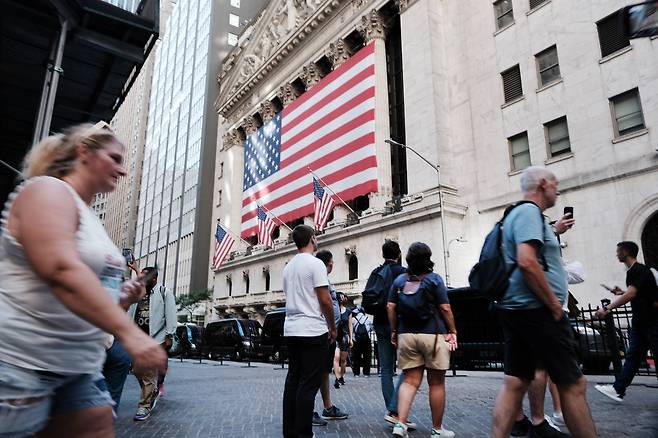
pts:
pixel 338 53
pixel 249 125
pixel 310 75
pixel 372 26
pixel 287 94
pixel 230 139
pixel 266 111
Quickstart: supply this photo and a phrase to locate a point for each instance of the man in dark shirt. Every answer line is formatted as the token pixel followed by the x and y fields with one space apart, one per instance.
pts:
pixel 642 292
pixel 387 352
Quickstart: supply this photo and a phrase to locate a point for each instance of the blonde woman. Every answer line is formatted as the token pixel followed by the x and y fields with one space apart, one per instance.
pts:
pixel 61 289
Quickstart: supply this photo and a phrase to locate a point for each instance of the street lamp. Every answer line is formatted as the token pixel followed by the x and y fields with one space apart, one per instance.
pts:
pixel 458 239
pixel 437 168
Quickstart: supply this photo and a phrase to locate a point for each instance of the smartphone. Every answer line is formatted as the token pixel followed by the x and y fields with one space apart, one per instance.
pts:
pixel 568 210
pixel 128 255
pixel 641 20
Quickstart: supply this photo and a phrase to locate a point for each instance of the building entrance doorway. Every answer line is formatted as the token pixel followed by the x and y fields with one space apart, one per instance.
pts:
pixel 650 241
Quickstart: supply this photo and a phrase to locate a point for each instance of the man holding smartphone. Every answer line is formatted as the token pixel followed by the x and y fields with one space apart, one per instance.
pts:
pixel 155 313
pixel 642 293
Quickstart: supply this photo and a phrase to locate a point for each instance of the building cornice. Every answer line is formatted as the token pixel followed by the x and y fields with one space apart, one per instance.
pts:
pixel 289 23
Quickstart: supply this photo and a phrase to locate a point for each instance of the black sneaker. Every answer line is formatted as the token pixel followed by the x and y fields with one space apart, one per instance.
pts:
pixel 544 430
pixel 336 384
pixel 521 427
pixel 333 413
pixel 341 381
pixel 317 421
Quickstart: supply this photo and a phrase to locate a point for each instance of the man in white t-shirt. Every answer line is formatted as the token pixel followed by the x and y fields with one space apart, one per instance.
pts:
pixel 308 328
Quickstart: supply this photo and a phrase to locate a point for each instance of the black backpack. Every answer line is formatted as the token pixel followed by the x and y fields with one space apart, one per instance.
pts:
pixel 361 330
pixel 375 295
pixel 491 274
pixel 418 307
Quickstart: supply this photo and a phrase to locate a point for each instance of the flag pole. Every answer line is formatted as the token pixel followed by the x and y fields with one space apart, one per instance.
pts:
pixel 233 234
pixel 331 190
pixel 275 217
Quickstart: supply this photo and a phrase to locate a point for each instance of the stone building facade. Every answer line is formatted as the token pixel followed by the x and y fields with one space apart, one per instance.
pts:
pixel 482 91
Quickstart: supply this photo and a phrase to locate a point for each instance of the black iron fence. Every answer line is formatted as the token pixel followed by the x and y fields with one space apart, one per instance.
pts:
pixel 602 343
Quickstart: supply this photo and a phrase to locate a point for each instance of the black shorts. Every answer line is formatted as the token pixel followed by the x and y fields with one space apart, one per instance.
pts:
pixel 533 339
pixel 329 362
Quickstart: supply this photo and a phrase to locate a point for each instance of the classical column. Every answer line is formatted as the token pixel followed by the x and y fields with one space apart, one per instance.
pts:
pixel 287 94
pixel 310 75
pixel 266 111
pixel 249 125
pixel 338 53
pixel 372 30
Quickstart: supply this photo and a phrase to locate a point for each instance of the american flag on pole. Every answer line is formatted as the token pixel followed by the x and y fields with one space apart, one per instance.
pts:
pixel 323 203
pixel 331 129
pixel 223 244
pixel 265 228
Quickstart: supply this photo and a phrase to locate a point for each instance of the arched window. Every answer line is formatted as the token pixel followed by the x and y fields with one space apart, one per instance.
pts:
pixel 650 241
pixel 245 275
pixel 353 265
pixel 229 285
pixel 267 280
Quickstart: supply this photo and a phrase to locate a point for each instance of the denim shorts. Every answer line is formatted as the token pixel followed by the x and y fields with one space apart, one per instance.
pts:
pixel 28 398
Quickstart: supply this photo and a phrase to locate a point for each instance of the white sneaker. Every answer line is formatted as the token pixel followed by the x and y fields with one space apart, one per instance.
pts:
pixel 558 419
pixel 610 391
pixel 394 419
pixel 400 430
pixel 442 433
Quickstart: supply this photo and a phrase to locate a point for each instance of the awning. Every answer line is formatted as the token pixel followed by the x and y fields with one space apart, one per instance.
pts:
pixel 103 52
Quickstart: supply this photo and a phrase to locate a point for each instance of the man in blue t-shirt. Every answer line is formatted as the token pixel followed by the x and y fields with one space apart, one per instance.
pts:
pixel 537 332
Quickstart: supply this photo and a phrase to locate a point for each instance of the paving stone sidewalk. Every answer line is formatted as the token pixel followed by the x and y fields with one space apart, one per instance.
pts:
pixel 209 400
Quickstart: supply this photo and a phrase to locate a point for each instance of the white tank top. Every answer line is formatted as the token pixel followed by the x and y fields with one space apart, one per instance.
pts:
pixel 36 330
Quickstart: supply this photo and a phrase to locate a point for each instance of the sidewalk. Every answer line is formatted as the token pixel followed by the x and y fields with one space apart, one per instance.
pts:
pixel 208 400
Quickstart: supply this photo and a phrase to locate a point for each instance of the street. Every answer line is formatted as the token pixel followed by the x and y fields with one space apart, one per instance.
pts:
pixel 209 400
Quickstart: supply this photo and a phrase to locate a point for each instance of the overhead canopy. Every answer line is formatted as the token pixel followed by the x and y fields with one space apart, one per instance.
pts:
pixel 104 50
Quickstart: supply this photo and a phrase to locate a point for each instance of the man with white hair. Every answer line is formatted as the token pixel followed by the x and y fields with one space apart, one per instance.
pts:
pixel 537 331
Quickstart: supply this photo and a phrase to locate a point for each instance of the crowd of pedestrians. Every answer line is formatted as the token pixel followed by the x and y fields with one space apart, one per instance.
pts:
pixel 64 289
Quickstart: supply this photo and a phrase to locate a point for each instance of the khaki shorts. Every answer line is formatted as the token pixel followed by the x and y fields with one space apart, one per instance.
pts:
pixel 415 349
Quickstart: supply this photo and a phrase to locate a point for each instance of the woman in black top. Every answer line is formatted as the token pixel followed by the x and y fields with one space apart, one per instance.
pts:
pixel 343 340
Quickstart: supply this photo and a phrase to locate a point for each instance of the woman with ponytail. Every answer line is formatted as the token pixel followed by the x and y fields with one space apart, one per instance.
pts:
pixel 61 291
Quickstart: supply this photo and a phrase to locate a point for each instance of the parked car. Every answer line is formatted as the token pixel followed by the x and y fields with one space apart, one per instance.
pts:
pixel 481 343
pixel 189 338
pixel 232 338
pixel 272 345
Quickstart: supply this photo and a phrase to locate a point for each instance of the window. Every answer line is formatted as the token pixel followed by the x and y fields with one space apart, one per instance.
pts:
pixel 267 280
pixel 536 3
pixel 627 112
pixel 233 20
pixel 219 198
pixel 519 151
pixel 611 34
pixel 548 66
pixel 229 285
pixel 232 39
pixel 504 13
pixel 512 83
pixel 235 3
pixel 353 267
pixel 557 136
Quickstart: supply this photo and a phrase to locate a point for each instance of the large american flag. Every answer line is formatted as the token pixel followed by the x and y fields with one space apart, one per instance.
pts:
pixel 331 129
pixel 265 227
pixel 223 244
pixel 323 203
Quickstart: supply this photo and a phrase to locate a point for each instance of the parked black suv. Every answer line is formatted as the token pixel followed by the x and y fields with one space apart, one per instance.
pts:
pixel 190 340
pixel 232 338
pixel 272 344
